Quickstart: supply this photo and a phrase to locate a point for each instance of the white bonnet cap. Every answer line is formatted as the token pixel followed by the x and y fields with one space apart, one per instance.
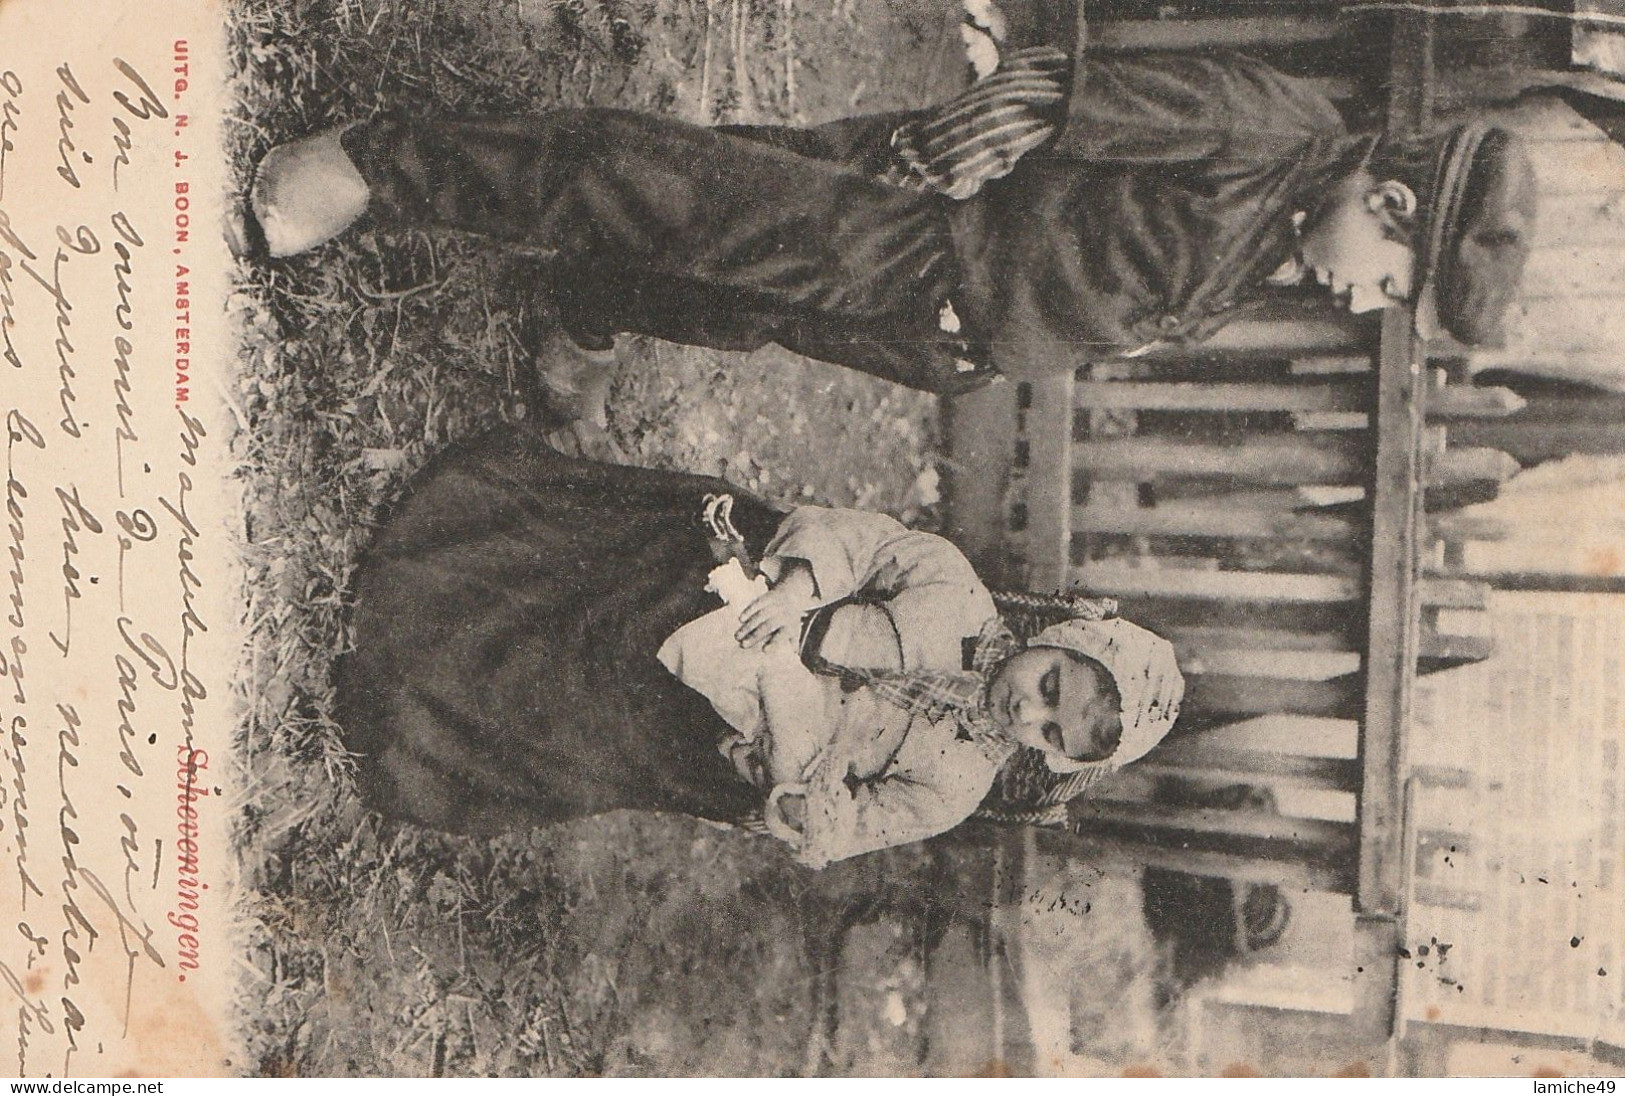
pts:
pixel 1142 664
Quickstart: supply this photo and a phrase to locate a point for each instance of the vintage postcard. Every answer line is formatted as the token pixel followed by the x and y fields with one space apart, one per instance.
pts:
pixel 860 537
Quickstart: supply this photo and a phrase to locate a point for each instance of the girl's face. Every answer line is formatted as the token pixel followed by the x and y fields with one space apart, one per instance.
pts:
pixel 1054 701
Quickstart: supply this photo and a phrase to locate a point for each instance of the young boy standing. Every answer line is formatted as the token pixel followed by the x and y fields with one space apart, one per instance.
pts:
pixel 1023 226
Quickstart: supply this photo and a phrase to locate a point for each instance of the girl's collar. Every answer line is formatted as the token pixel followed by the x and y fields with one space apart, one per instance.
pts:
pixel 994 645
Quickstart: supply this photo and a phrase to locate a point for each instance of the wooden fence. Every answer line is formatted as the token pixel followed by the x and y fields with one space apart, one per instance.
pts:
pixel 1282 505
pixel 1233 516
pixel 1264 503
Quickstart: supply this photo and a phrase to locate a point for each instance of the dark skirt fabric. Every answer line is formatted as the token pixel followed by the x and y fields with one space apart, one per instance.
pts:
pixel 506 624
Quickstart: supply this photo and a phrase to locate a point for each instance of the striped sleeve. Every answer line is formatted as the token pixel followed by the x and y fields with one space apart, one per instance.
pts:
pixel 981 133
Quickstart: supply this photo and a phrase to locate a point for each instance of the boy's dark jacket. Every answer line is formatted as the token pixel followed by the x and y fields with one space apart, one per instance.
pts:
pixel 1164 201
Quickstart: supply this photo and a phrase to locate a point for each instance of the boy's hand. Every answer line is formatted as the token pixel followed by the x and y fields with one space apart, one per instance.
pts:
pixel 779 611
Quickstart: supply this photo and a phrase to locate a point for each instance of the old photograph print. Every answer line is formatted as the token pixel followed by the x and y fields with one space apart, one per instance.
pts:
pixel 891 537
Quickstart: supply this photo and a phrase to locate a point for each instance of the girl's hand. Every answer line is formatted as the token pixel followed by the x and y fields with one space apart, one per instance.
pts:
pixel 785 813
pixel 779 611
pixel 793 812
pixel 749 763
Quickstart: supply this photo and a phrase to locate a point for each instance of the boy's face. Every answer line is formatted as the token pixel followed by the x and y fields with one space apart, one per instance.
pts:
pixel 1359 248
pixel 1052 702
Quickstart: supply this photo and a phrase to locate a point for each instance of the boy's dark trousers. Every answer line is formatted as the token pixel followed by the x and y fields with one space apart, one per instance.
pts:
pixel 730 237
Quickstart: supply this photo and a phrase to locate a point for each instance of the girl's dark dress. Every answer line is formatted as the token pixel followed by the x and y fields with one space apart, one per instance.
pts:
pixel 506 621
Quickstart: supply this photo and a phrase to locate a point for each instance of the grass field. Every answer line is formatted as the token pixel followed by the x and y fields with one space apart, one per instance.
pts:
pixel 624 944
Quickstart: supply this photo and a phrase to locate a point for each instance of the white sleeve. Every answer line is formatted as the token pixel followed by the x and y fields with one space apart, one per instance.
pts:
pixel 930 588
pixel 935 783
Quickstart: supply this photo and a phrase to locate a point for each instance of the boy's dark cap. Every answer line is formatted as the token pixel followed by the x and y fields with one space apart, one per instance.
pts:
pixel 1479 231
